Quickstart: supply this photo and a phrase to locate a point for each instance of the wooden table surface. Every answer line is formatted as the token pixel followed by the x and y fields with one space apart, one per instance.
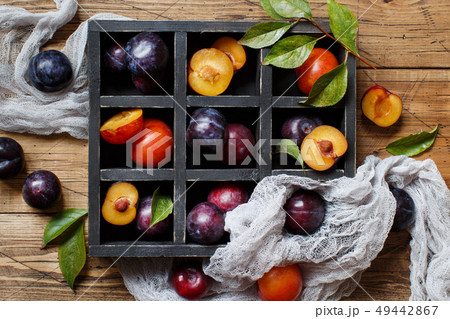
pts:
pixel 407 40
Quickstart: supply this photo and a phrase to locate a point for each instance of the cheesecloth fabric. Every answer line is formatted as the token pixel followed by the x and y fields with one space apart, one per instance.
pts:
pixel 360 210
pixel 25 109
pixel 359 215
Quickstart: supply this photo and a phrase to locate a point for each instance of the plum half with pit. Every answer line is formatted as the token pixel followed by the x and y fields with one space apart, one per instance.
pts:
pixel 144 218
pixel 11 158
pixel 228 195
pixel 305 211
pixel 297 127
pixel 50 71
pixel 405 209
pixel 189 281
pixel 41 189
pixel 205 223
pixel 208 126
pixel 114 58
pixel 146 53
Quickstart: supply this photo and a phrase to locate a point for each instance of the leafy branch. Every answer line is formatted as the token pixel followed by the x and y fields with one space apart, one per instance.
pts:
pixel 291 52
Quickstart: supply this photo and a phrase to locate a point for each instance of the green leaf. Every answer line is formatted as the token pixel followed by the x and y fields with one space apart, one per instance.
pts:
pixel 330 88
pixel 269 9
pixel 264 34
pixel 162 207
pixel 287 146
pixel 72 252
pixel 60 222
pixel 292 8
pixel 343 24
pixel 413 144
pixel 290 52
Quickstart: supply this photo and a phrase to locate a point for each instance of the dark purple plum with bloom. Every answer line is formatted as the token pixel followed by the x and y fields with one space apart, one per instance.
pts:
pixel 305 211
pixel 50 71
pixel 405 209
pixel 41 189
pixel 297 127
pixel 205 223
pixel 147 53
pixel 144 218
pixel 11 158
pixel 207 124
pixel 114 58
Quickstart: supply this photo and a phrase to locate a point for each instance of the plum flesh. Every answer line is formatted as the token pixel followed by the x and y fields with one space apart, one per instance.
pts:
pixel 50 71
pixel 11 158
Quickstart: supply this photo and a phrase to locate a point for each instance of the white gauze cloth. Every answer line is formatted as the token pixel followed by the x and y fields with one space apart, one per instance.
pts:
pixel 25 109
pixel 359 216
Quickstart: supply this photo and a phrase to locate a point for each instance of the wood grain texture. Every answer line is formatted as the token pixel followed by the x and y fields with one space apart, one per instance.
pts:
pixel 408 40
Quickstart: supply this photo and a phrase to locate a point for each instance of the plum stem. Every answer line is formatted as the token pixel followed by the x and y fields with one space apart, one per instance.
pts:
pixel 311 20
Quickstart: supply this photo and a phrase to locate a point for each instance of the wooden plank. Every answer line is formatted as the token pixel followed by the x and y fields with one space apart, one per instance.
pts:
pixel 60 154
pixel 392 34
pixel 28 272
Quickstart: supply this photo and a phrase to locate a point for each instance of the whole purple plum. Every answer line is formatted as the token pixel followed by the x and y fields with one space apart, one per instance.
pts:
pixel 228 195
pixel 305 211
pixel 207 124
pixel 236 151
pixel 297 127
pixel 50 71
pixel 205 223
pixel 405 209
pixel 41 189
pixel 11 158
pixel 146 54
pixel 144 217
pixel 114 58
pixel 146 84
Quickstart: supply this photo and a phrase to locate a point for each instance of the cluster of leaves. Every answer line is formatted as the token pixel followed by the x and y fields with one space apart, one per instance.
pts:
pixel 292 51
pixel 69 226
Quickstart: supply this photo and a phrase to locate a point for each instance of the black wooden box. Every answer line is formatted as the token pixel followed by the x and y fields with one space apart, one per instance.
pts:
pixel 261 97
